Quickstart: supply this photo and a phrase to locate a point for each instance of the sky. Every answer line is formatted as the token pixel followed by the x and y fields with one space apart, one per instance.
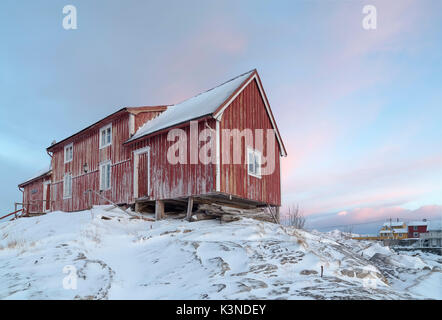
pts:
pixel 359 110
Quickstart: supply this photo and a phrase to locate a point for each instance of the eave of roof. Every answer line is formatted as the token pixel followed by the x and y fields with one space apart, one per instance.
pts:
pixel 132 110
pixel 42 175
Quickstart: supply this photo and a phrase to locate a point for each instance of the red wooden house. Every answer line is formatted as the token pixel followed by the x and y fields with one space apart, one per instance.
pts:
pixel 415 228
pixel 125 158
pixel 37 192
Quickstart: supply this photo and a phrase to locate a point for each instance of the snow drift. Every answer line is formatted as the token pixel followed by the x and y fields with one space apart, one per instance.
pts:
pixel 117 257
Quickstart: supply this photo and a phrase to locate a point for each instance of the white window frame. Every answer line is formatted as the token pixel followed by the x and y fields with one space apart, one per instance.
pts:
pixel 66 148
pixel 415 234
pixel 106 144
pixel 255 172
pixel 102 183
pixel 67 186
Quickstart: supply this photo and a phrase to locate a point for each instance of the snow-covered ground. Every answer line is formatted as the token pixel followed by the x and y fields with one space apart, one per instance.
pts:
pixel 123 258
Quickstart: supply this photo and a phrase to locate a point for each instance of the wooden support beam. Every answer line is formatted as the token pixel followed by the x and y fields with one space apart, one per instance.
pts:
pixel 277 214
pixel 159 209
pixel 273 215
pixel 189 208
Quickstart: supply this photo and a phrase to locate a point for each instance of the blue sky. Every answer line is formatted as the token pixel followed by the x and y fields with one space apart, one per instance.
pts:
pixel 359 110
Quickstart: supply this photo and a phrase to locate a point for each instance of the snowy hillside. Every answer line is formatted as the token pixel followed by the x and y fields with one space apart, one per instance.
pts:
pixel 122 258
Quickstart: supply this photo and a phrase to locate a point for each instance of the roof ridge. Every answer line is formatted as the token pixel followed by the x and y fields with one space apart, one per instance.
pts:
pixel 220 85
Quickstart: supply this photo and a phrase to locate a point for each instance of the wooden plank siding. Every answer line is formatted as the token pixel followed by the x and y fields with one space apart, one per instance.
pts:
pixel 33 195
pixel 142 118
pixel 87 151
pixel 168 180
pixel 248 111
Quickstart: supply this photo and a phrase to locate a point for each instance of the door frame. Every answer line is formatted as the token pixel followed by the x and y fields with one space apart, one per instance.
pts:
pixel 45 196
pixel 137 153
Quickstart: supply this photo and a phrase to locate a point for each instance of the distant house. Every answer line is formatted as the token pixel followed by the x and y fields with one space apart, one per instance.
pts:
pixel 393 230
pixel 432 238
pixel 124 157
pixel 416 228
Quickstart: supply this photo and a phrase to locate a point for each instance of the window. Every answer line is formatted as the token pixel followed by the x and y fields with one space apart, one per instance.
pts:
pixel 106 136
pixel 105 175
pixel 68 153
pixel 67 186
pixel 415 234
pixel 415 228
pixel 254 162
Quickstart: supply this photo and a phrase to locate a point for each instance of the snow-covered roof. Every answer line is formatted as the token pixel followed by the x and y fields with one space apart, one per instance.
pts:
pixel 398 230
pixel 39 174
pixel 393 224
pixel 434 225
pixel 417 223
pixel 201 105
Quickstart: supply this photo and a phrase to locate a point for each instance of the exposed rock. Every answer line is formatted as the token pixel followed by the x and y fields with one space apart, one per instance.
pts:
pixel 308 272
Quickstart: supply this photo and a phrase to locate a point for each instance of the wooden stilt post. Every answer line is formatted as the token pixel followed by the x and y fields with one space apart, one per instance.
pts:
pixel 159 210
pixel 277 214
pixel 189 208
pixel 90 199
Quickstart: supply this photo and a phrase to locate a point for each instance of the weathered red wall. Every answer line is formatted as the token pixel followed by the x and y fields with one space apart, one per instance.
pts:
pixel 86 150
pixel 180 180
pixel 248 111
pixel 33 196
pixel 143 117
pixel 420 229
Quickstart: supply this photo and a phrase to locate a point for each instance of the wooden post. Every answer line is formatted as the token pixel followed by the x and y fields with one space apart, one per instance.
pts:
pixel 15 210
pixel 159 210
pixel 277 214
pixel 90 199
pixel 189 208
pixel 322 270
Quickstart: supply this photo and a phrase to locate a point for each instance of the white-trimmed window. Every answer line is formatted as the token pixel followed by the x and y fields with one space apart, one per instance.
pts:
pixel 253 162
pixel 68 153
pixel 106 136
pixel 67 186
pixel 415 234
pixel 105 175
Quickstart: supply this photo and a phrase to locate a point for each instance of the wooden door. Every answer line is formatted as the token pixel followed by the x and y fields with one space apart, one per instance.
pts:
pixel 48 197
pixel 143 175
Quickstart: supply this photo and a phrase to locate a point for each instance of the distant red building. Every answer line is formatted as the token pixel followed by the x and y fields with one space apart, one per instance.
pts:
pixel 415 228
